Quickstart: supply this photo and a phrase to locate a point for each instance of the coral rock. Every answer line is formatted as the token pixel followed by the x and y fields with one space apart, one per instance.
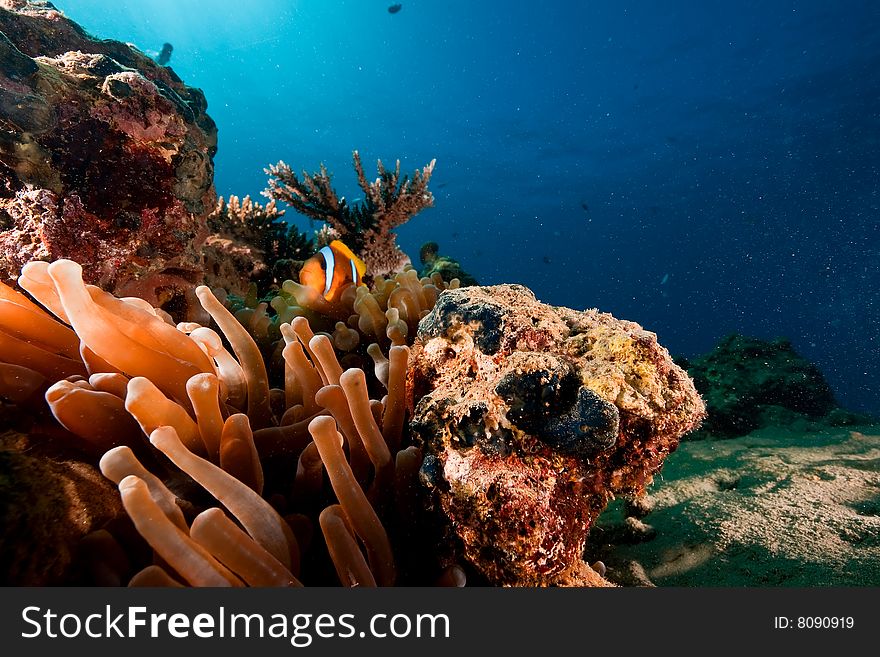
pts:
pixel 446 267
pixel 47 505
pixel 750 383
pixel 106 157
pixel 532 418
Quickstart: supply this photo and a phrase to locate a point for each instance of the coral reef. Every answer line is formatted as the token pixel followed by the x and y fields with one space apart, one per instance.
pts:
pixel 240 496
pixel 250 244
pixel 366 227
pixel 531 419
pixel 434 263
pixel 105 158
pixel 291 439
pixel 750 383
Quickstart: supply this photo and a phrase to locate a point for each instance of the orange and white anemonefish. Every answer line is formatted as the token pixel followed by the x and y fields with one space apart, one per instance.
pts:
pixel 332 269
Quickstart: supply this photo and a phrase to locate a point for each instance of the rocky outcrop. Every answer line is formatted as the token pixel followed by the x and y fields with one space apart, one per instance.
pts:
pixel 532 417
pixel 49 502
pixel 105 158
pixel 750 383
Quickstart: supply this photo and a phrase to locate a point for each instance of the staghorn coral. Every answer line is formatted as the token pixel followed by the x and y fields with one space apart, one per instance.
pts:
pixel 250 244
pixel 366 227
pixel 106 159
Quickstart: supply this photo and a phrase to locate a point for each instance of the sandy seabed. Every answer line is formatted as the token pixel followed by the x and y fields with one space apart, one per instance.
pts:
pixel 777 507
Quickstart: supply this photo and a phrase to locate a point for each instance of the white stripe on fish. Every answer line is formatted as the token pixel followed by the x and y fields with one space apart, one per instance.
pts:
pixel 330 261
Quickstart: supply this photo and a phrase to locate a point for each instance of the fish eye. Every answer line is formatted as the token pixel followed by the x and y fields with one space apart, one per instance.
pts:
pixel 323 264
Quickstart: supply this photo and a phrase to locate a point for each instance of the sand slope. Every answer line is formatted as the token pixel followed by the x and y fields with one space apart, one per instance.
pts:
pixel 774 508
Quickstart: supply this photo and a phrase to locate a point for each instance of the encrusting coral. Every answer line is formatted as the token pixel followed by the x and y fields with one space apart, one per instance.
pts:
pixel 366 226
pixel 106 158
pixel 531 419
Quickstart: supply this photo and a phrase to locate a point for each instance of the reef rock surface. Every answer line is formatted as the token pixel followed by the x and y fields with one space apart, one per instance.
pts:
pixel 48 503
pixel 105 158
pixel 532 417
pixel 750 383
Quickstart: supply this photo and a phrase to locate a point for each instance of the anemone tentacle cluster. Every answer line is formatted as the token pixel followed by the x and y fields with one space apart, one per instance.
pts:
pixel 219 472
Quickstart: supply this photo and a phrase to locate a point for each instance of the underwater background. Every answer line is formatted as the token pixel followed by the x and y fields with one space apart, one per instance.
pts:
pixel 700 168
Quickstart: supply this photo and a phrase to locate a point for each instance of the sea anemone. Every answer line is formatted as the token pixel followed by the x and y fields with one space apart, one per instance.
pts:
pixel 219 460
pixel 324 443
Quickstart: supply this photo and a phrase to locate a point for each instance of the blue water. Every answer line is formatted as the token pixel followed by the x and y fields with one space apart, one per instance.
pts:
pixel 701 168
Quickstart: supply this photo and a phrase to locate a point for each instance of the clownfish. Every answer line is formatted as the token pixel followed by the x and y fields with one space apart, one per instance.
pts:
pixel 332 269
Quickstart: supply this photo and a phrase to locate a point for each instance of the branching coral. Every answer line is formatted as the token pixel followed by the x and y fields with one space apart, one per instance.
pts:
pixel 366 226
pixel 251 244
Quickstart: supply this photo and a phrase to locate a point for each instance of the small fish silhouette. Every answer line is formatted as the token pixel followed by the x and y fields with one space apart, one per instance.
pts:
pixel 587 214
pixel 393 9
pixel 164 54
